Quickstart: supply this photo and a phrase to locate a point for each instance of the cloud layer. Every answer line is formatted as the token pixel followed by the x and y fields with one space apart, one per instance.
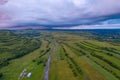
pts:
pixel 58 13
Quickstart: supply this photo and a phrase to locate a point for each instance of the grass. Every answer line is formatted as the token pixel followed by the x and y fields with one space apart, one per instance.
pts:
pixel 76 57
pixel 106 74
pixel 87 68
pixel 12 71
pixel 59 69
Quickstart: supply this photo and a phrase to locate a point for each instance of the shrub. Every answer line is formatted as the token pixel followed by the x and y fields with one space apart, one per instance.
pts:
pixel 1 75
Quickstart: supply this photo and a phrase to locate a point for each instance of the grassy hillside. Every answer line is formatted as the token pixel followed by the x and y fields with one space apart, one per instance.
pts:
pixel 14 46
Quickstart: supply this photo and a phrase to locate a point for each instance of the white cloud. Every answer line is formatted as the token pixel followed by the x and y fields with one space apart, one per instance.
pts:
pixel 80 2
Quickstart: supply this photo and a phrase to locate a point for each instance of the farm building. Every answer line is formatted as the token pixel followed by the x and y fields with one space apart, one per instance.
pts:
pixel 29 74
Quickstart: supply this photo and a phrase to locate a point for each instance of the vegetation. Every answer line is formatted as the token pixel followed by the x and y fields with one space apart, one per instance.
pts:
pixel 13 46
pixel 78 55
pixel 1 75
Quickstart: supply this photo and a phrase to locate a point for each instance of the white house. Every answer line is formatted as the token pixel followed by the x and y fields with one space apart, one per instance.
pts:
pixel 29 74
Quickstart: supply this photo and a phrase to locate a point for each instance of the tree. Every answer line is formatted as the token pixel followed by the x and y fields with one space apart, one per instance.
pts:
pixel 1 74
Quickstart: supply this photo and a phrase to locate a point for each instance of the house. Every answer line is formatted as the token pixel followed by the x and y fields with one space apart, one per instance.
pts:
pixel 29 74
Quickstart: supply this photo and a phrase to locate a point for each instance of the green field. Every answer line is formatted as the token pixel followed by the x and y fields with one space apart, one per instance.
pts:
pixel 77 55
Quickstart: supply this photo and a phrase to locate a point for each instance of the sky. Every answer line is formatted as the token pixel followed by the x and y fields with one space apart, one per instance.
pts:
pixel 59 14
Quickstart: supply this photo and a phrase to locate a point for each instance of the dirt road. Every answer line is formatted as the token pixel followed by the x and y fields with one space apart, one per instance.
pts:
pixel 48 63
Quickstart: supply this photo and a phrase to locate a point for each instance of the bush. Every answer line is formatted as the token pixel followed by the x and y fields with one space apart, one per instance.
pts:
pixel 1 75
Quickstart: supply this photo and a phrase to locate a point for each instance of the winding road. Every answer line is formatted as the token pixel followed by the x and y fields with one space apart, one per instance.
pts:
pixel 48 63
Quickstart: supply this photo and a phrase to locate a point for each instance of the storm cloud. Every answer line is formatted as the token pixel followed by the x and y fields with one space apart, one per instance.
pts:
pixel 58 13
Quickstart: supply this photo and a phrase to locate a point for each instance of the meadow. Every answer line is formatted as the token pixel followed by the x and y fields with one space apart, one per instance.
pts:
pixel 77 55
